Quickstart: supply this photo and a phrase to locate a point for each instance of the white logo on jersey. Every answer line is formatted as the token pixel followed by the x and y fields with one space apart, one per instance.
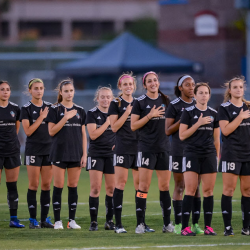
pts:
pixel 98 118
pixel 124 108
pixel 195 117
pixel 234 113
pixel 61 114
pixel 34 112
pixel 148 107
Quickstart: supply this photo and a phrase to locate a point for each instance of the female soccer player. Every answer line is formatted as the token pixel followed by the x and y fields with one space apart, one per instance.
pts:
pixel 234 119
pixel 199 128
pixel 126 144
pixel 148 115
pixel 68 150
pixel 185 93
pixel 100 157
pixel 37 150
pixel 10 149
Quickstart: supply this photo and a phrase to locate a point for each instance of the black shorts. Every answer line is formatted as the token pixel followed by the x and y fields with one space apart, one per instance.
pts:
pixel 103 164
pixel 175 164
pixel 67 164
pixel 37 160
pixel 125 161
pixel 157 161
pixel 204 165
pixel 238 168
pixel 10 162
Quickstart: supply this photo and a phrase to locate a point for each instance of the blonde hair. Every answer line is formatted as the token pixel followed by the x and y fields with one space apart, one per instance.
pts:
pixel 100 88
pixel 130 75
pixel 59 88
pixel 227 94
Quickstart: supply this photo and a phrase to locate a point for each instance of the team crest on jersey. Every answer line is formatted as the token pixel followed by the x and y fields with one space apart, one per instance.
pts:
pixel 212 118
pixel 182 109
pixel 77 115
pixel 163 105
pixel 12 113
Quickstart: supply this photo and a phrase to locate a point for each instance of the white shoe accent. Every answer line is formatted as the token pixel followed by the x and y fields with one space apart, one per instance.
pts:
pixel 169 228
pixel 72 225
pixel 140 229
pixel 58 225
pixel 120 230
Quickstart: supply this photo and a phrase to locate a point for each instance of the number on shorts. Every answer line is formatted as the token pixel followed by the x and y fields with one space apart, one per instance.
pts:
pixel 176 165
pixel 32 159
pixel 145 161
pixel 188 164
pixel 93 163
pixel 231 166
pixel 120 159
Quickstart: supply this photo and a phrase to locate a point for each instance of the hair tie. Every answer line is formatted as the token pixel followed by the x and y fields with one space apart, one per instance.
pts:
pixel 34 80
pixel 183 79
pixel 150 72
pixel 126 76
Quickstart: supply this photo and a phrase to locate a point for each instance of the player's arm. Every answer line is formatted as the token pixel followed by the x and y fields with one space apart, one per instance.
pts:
pixel 84 146
pixel 55 128
pixel 95 132
pixel 170 126
pixel 116 123
pixel 217 141
pixel 228 127
pixel 185 132
pixel 17 126
pixel 30 129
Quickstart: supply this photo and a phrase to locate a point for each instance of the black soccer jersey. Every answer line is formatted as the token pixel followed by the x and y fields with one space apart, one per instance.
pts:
pixel 236 146
pixel 174 111
pixel 101 146
pixel 152 137
pixel 67 143
pixel 40 141
pixel 126 139
pixel 201 142
pixel 9 143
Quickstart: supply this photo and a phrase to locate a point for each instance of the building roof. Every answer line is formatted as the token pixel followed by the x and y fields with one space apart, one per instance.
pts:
pixel 127 53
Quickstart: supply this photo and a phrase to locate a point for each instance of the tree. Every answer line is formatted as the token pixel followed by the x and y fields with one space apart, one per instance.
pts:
pixel 4 6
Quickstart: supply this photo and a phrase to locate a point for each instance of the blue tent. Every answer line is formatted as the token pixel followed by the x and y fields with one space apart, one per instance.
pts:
pixel 127 53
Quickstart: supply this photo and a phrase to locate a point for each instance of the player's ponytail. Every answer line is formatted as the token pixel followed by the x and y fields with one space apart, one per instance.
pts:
pixel 123 76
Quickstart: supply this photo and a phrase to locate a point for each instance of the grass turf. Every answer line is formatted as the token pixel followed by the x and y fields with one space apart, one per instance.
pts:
pixel 11 238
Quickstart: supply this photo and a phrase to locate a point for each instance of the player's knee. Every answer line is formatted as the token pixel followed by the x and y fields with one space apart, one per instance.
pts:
pixel 144 187
pixel 246 192
pixel 33 185
pixel 45 186
pixel 229 191
pixel 179 187
pixel 95 190
pixel 121 185
pixel 208 192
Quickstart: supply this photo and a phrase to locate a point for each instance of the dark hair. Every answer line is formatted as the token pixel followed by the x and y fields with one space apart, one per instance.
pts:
pixel 3 81
pixel 199 84
pixel 177 91
pixel 165 98
pixel 59 88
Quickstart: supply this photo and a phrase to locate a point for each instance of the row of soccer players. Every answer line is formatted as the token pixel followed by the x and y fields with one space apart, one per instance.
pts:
pixel 56 135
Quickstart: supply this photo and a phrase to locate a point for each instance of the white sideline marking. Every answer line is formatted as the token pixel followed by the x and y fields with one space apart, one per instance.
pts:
pixel 171 246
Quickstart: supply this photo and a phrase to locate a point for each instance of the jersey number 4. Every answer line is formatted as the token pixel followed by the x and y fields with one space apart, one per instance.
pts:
pixel 188 164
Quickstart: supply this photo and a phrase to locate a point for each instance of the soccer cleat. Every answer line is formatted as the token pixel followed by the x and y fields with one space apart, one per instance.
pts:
pixel 169 228
pixel 209 231
pixel 58 225
pixel 33 224
pixel 93 226
pixel 148 229
pixel 140 229
pixel 72 225
pixel 195 228
pixel 109 225
pixel 120 229
pixel 228 231
pixel 177 228
pixel 245 231
pixel 14 222
pixel 187 232
pixel 47 223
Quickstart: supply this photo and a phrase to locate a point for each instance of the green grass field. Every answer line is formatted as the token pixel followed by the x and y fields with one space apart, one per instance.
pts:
pixel 83 239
